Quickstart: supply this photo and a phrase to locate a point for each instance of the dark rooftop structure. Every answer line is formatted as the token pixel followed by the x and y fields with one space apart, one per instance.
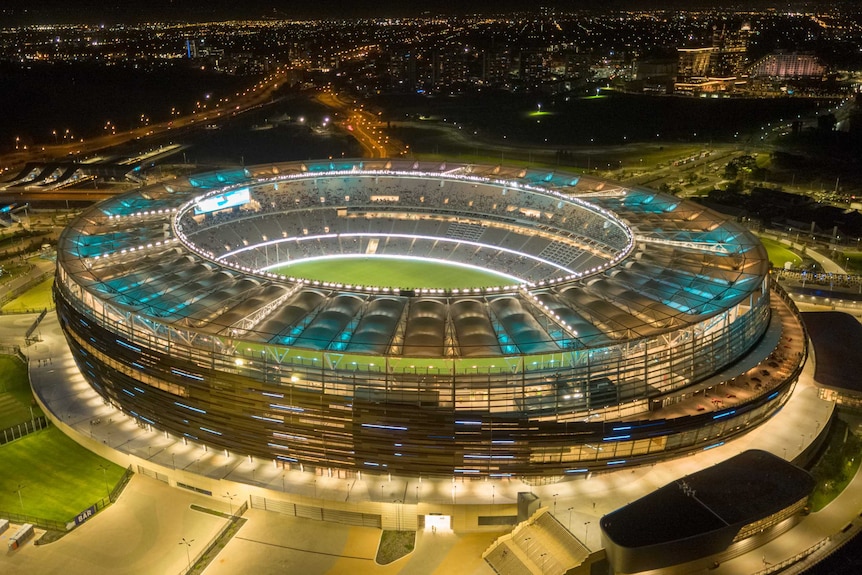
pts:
pixel 702 514
pixel 836 336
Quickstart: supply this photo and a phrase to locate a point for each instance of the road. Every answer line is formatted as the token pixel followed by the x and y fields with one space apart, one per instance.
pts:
pixel 253 97
pixel 365 126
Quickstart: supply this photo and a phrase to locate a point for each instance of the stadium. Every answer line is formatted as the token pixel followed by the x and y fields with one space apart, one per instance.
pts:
pixel 620 327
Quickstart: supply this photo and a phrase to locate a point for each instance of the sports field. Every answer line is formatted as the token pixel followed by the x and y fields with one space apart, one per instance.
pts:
pixel 393 272
pixel 56 477
pixel 780 253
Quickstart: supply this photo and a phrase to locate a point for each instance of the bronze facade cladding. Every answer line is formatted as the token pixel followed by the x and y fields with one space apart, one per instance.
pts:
pixel 172 318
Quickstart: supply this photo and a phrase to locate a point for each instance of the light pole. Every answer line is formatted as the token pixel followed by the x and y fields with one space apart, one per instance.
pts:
pixel 555 504
pixel 570 517
pixel 229 496
pixel 544 556
pixel 586 532
pixel 188 544
pixel 20 500
pixel 104 469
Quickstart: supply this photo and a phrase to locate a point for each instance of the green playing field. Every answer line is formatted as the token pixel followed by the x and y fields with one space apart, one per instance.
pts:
pixel 780 253
pixel 394 272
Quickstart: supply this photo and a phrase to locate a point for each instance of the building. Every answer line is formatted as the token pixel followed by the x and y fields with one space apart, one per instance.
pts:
pixel 834 335
pixel 716 69
pixel 694 63
pixel 707 517
pixel 788 66
pixel 606 349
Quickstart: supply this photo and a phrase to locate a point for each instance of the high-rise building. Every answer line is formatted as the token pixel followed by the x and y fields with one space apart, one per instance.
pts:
pixel 731 51
pixel 693 63
pixel 787 65
pixel 715 68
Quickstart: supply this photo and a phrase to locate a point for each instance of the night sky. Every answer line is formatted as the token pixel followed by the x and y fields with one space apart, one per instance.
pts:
pixel 48 11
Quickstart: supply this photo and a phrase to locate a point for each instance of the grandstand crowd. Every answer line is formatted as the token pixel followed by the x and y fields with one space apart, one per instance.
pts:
pixel 529 235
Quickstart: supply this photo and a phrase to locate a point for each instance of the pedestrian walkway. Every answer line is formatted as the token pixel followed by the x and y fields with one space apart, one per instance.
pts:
pixel 81 412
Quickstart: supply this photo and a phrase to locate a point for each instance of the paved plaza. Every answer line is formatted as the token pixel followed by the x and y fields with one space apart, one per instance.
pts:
pixel 141 533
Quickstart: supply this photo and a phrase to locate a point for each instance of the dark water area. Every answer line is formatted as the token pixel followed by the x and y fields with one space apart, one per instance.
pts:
pixel 40 98
pixel 608 120
pixel 289 129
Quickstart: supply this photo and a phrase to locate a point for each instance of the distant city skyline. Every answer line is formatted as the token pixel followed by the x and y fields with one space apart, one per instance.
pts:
pixel 50 11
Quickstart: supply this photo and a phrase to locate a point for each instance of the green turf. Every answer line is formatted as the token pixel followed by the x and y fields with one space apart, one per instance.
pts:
pixel 780 253
pixel 57 477
pixel 16 398
pixel 38 297
pixel 853 261
pixel 836 467
pixel 389 272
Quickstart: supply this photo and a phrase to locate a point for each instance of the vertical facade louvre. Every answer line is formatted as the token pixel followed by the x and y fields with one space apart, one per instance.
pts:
pixel 592 394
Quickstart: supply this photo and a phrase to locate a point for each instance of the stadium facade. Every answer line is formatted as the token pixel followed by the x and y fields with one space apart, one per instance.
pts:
pixel 628 309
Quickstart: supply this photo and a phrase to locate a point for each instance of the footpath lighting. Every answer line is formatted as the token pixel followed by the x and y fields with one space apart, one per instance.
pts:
pixel 20 500
pixel 188 545
pixel 104 469
pixel 229 496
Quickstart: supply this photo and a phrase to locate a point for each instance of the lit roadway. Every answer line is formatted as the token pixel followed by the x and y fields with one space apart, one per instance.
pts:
pixel 75 404
pixel 363 125
pixel 212 112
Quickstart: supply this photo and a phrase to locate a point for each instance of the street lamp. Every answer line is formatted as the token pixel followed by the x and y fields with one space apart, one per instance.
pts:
pixel 20 500
pixel 555 504
pixel 104 469
pixel 229 496
pixel 188 544
pixel 570 517
pixel 586 532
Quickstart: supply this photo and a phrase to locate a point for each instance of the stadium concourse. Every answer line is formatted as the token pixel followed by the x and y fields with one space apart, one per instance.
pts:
pixel 639 329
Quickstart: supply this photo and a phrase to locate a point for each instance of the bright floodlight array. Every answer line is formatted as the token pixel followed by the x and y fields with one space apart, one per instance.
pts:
pixel 626 301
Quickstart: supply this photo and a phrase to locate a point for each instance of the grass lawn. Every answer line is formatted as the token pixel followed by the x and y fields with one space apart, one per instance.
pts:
pixel 780 253
pixel 837 466
pixel 16 398
pixel 391 272
pixel 38 297
pixel 13 269
pixel 57 477
pixel 394 545
pixel 854 261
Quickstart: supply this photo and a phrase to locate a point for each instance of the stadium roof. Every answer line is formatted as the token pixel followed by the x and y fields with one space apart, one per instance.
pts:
pixel 600 264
